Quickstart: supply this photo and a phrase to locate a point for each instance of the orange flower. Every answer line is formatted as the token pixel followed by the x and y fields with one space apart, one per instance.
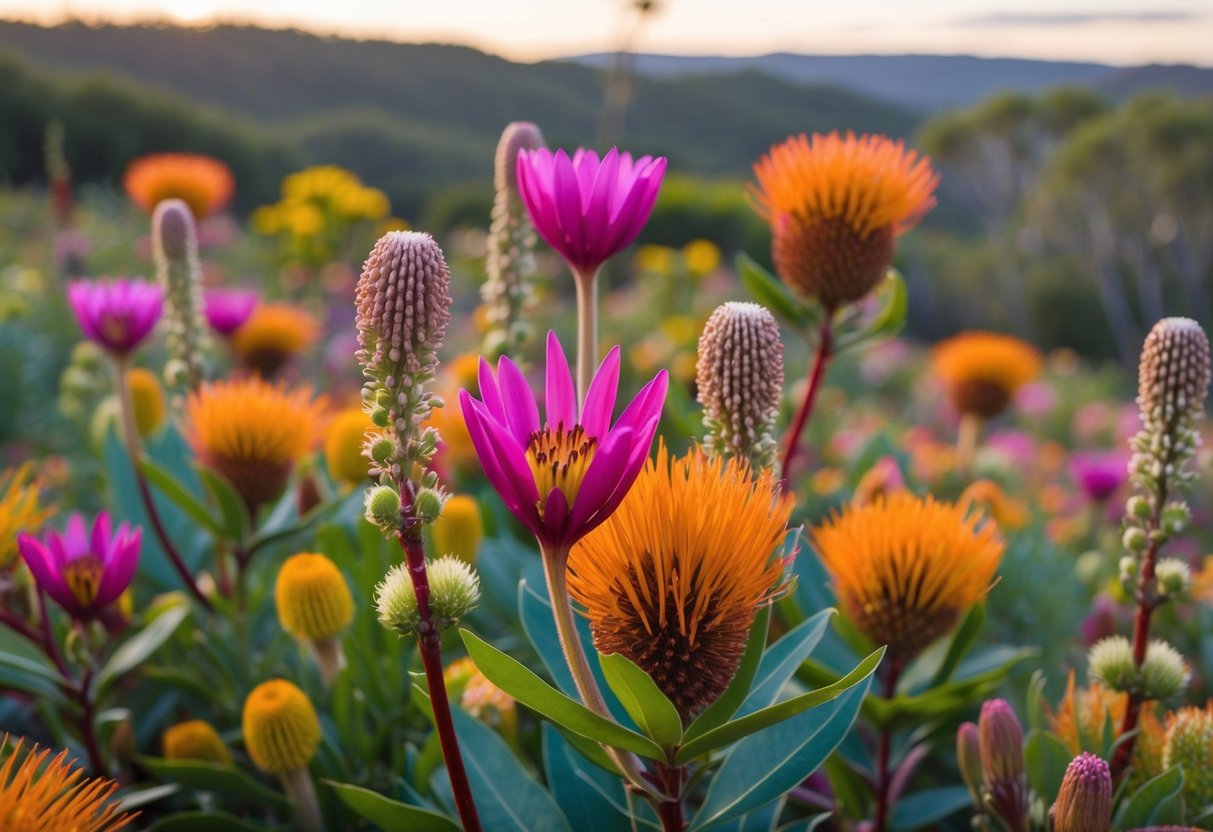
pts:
pixel 273 335
pixel 43 794
pixel 905 568
pixel 987 496
pixel 1082 713
pixel 984 370
pixel 20 510
pixel 836 206
pixel 203 183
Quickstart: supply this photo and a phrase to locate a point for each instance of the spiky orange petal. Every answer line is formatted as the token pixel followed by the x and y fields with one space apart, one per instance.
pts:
pixel 43 794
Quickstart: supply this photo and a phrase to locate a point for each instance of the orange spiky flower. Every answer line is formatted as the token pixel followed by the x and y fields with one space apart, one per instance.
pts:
pixel 201 182
pixel 253 432
pixel 673 578
pixel 905 568
pixel 836 205
pixel 984 370
pixel 20 510
pixel 43 794
pixel 273 335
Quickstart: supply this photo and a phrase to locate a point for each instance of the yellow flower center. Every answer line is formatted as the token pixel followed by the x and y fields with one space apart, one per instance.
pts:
pixel 559 458
pixel 83 577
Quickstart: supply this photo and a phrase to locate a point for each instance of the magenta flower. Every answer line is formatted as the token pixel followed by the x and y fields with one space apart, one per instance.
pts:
pixel 84 573
pixel 228 309
pixel 117 314
pixel 586 209
pixel 563 477
pixel 1099 474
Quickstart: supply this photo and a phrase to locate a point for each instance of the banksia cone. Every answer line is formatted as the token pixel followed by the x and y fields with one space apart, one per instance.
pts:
pixel 281 730
pixel 314 605
pixel 195 739
pixel 175 248
pixel 510 260
pixel 1173 376
pixel 740 379
pixel 1084 803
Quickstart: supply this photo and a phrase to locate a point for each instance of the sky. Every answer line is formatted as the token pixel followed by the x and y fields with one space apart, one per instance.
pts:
pixel 1111 31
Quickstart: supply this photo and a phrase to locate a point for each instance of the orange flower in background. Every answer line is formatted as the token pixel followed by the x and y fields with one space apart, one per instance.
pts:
pixel 20 510
pixel 39 793
pixel 204 184
pixel 905 568
pixel 1080 716
pixel 984 370
pixel 273 335
pixel 254 432
pixel 836 206
pixel 987 496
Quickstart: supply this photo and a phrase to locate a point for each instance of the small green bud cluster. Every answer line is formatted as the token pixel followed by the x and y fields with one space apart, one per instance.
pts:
pixel 1162 675
pixel 84 381
pixel 175 249
pixel 454 592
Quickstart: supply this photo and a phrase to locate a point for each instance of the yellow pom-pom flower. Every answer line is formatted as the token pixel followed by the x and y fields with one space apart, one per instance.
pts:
pixel 984 370
pixel 459 530
pixel 313 599
pixel 273 335
pixel 905 568
pixel 281 729
pixel 147 400
pixel 43 794
pixel 195 739
pixel 343 446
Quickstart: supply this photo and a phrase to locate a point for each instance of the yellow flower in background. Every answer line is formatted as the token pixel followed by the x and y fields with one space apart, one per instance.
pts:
pixel 194 739
pixel 459 530
pixel 20 510
pixel 147 398
pixel 480 697
pixel 984 370
pixel 987 496
pixel 701 257
pixel 273 335
pixel 312 597
pixel 281 729
pixel 826 481
pixel 39 793
pixel 343 444
pixel 906 568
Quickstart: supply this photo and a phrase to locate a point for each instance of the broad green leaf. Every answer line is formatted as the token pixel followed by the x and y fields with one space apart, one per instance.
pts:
pixel 507 799
pixel 782 659
pixel 1157 803
pixel 1046 759
pixel 765 766
pixel 31 676
pixel 962 641
pixel 767 290
pixel 204 822
pixel 748 725
pixel 139 648
pixel 892 303
pixel 173 489
pixel 391 815
pixel 236 521
pixel 589 797
pixel 926 808
pixel 720 711
pixel 221 778
pixel 1036 700
pixel 644 701
pixel 519 682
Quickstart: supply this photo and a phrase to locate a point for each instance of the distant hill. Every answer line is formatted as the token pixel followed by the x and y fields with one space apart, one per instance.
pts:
pixel 416 118
pixel 927 83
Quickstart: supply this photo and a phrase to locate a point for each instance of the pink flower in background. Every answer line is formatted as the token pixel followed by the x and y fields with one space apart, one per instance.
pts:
pixel 1102 621
pixel 1099 473
pixel 1018 446
pixel 117 314
pixel 562 477
pixel 228 309
pixel 83 572
pixel 1036 398
pixel 587 209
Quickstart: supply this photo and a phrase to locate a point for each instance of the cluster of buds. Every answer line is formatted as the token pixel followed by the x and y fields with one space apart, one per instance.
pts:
pixel 404 301
pixel 1162 674
pixel 992 765
pixel 510 258
pixel 454 592
pixel 739 373
pixel 175 248
pixel 1084 802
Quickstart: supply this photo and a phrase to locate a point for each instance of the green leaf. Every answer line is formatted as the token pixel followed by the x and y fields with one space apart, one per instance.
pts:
pixel 720 711
pixel 31 676
pixel 962 641
pixel 589 797
pixel 391 815
pixel 236 521
pixel 204 822
pixel 926 808
pixel 892 304
pixel 139 648
pixel 140 797
pixel 769 291
pixel 765 766
pixel 643 700
pixel 171 487
pixel 782 660
pixel 519 682
pixel 1157 803
pixel 221 778
pixel 751 723
pixel 1046 759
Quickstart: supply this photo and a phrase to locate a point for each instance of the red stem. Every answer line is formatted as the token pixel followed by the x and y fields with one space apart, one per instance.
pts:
pixel 884 806
pixel 1146 605
pixel 672 780
pixel 431 659
pixel 825 351
pixel 87 712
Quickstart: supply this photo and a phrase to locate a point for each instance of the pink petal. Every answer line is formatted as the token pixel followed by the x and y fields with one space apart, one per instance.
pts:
pixel 75 538
pixel 567 200
pixel 101 535
pixel 48 577
pixel 601 481
pixel 600 399
pixel 487 453
pixel 598 208
pixel 489 393
pixel 521 412
pixel 555 514
pixel 561 406
pixel 647 405
pixel 120 569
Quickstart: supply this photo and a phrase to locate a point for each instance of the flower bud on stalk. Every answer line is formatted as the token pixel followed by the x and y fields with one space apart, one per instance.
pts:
pixel 175 248
pixel 281 735
pixel 1084 803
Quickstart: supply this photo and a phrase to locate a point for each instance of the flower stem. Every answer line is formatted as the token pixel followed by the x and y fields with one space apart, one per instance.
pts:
pixel 968 437
pixel 673 779
pixel 825 351
pixel 587 329
pixel 884 780
pixel 554 572
pixel 134 449
pixel 302 792
pixel 87 728
pixel 430 646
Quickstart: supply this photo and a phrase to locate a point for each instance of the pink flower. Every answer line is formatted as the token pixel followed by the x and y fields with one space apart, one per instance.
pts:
pixel 83 573
pixel 228 309
pixel 562 477
pixel 117 314
pixel 1099 474
pixel 586 209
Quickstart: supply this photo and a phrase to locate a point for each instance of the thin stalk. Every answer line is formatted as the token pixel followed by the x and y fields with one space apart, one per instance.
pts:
pixel 587 329
pixel 430 646
pixel 87 728
pixel 968 437
pixel 134 449
pixel 884 780
pixel 673 779
pixel 554 572
pixel 302 792
pixel 825 351
pixel 49 645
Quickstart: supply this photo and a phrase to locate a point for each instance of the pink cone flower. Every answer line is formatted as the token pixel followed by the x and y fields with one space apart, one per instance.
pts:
pixel 562 477
pixel 586 209
pixel 228 309
pixel 84 573
pixel 117 314
pixel 1099 474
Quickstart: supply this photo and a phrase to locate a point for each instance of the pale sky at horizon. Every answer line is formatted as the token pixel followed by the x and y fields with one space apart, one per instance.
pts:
pixel 1111 31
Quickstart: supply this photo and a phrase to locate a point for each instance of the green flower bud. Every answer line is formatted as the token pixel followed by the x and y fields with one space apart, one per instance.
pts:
pixel 1175 518
pixel 396 602
pixel 454 589
pixel 428 505
pixel 1135 539
pixel 381 417
pixel 382 449
pixel 1138 507
pixel 1173 575
pixel 383 507
pixel 1111 663
pixel 1163 673
pixel 1128 568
